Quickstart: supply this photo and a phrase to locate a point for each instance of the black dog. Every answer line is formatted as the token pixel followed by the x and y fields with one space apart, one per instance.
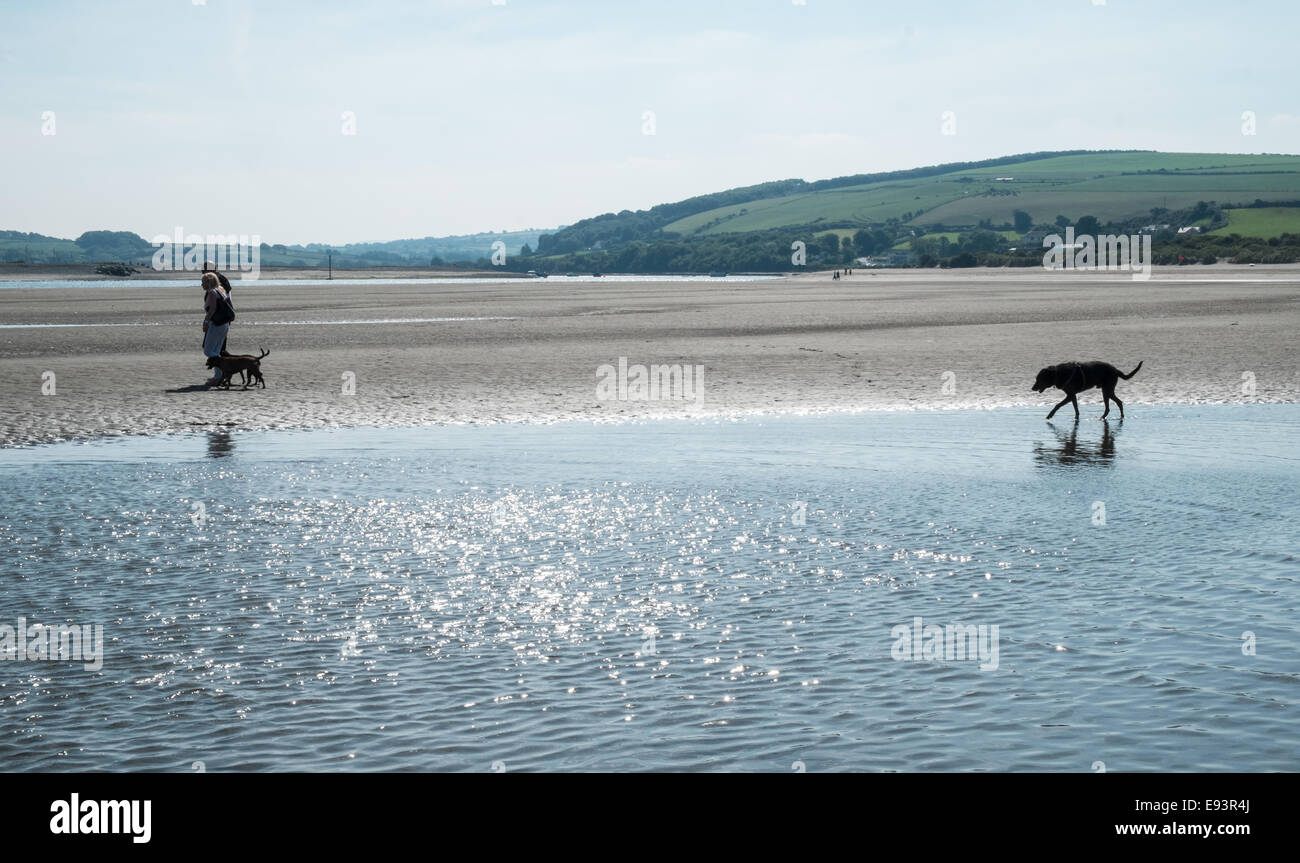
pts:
pixel 1074 378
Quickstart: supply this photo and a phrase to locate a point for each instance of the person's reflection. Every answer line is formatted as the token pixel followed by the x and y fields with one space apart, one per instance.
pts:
pixel 1068 450
pixel 220 444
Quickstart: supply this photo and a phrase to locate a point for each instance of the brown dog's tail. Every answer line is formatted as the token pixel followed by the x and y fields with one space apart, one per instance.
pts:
pixel 1132 373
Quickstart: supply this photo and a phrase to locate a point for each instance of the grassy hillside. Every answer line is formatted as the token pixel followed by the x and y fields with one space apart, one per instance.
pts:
pixel 614 230
pixel 19 246
pixel 1263 222
pixel 954 215
pixel 1110 186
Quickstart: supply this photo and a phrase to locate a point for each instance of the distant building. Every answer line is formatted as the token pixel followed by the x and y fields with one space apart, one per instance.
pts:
pixel 1189 230
pixel 1154 229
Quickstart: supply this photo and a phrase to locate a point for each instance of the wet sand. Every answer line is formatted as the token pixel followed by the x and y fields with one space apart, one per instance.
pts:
pixel 530 350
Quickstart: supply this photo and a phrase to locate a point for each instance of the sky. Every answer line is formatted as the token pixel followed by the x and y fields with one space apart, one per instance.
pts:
pixel 365 120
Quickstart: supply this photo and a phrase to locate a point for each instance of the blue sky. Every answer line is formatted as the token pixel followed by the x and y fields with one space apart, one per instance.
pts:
pixel 226 116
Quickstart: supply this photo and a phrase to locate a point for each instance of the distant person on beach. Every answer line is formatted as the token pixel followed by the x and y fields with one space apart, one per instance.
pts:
pixel 217 315
pixel 210 267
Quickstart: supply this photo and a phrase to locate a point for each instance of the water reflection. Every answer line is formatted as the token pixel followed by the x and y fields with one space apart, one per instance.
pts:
pixel 1069 451
pixel 220 444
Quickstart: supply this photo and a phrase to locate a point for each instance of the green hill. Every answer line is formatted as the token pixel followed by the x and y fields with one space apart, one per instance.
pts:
pixel 1110 186
pixel 959 214
pixel 20 246
pixel 95 246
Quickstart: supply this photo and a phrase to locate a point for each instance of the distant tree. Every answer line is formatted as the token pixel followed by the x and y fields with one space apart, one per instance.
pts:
pixel 525 251
pixel 863 242
pixel 829 246
pixel 1088 225
pixel 934 248
pixel 979 241
pixel 1022 221
pixel 114 246
pixel 1062 221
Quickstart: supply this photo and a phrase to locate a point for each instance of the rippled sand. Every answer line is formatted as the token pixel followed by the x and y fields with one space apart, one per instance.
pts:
pixel 428 353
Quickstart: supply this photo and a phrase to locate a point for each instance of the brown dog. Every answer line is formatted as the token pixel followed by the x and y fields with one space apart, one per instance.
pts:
pixel 1074 378
pixel 249 367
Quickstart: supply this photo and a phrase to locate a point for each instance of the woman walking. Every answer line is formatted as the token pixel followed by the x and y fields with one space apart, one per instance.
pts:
pixel 210 267
pixel 218 312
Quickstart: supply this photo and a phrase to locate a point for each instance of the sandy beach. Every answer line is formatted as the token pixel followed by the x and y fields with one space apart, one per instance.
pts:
pixel 127 360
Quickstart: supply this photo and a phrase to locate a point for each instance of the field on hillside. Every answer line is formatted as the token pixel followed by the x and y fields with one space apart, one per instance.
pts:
pixel 1105 185
pixel 1262 222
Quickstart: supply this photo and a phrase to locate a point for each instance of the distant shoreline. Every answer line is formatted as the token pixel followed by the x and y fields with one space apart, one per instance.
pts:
pixel 86 273
pixel 320 275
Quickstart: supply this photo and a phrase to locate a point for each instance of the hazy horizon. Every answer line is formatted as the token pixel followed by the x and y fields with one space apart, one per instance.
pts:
pixel 475 117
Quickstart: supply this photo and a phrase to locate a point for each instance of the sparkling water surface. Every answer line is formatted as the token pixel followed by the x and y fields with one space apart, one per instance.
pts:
pixel 664 595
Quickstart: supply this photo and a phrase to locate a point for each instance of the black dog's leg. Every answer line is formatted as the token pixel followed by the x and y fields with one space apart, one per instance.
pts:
pixel 1074 401
pixel 1106 396
pixel 1120 403
pixel 1062 403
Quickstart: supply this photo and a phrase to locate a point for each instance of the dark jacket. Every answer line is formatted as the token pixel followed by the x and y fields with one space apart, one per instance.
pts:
pixel 210 303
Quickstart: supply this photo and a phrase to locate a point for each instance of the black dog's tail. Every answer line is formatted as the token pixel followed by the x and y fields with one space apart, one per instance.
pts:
pixel 266 353
pixel 1132 373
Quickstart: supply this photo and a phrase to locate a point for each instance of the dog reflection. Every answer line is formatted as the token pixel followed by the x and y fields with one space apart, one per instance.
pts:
pixel 1068 450
pixel 220 444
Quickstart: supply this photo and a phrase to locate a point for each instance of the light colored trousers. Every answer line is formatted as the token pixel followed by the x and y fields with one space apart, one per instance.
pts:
pixel 213 339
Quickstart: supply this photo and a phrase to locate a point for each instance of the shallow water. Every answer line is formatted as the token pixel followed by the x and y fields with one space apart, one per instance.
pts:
pixel 644 595
pixel 191 281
